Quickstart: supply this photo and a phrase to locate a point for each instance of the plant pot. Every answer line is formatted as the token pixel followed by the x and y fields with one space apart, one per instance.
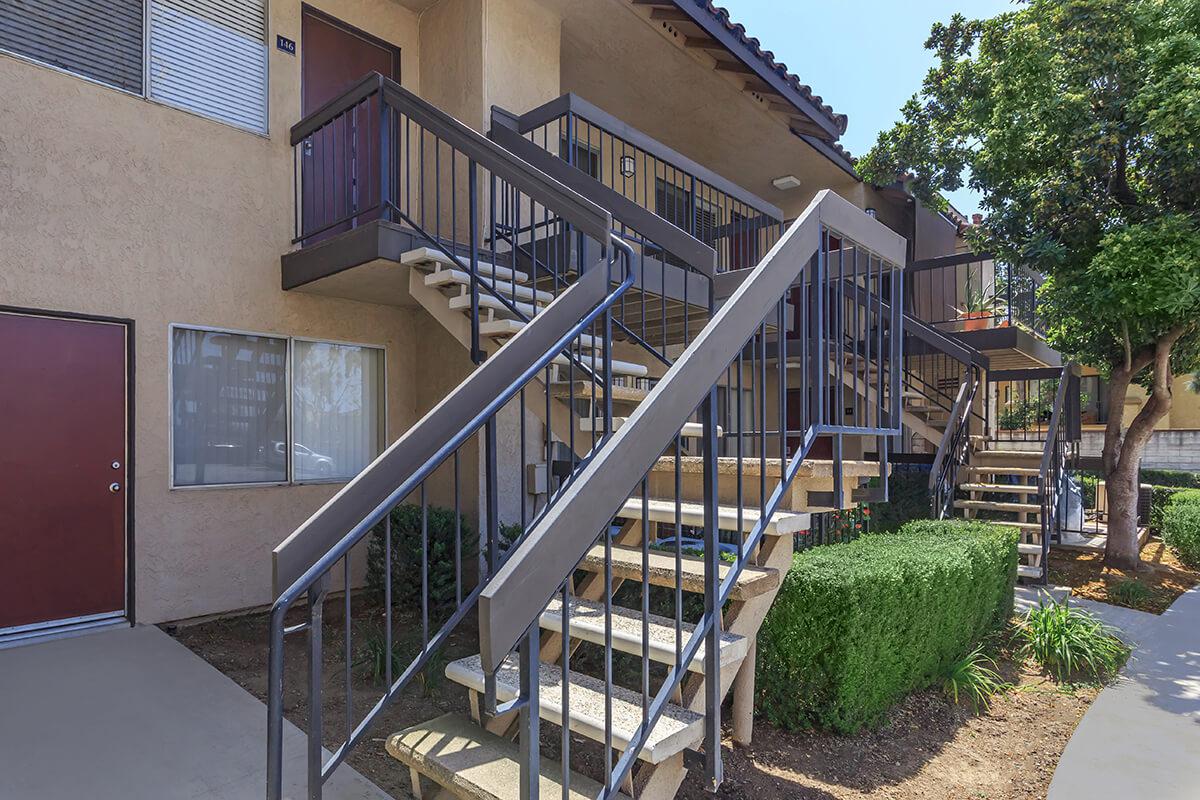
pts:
pixel 976 320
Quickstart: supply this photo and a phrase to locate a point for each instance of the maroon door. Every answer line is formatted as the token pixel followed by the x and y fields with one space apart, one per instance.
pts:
pixel 63 441
pixel 341 160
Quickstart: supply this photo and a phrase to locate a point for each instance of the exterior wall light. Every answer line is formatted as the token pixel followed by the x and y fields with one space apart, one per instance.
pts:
pixel 785 182
pixel 627 165
pixel 871 213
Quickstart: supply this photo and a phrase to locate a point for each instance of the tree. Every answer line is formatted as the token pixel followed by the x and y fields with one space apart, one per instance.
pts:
pixel 1079 123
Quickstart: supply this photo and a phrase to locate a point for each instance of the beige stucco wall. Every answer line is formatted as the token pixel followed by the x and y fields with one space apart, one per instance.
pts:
pixel 1185 406
pixel 115 205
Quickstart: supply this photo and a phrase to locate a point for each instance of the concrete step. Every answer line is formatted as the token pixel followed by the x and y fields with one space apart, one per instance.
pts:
pixel 1034 528
pixel 677 729
pixel 988 505
pixel 1024 455
pixel 584 390
pixel 1026 571
pixel 999 488
pixel 501 328
pixel 487 302
pixel 692 514
pixel 981 469
pixel 1029 549
pixel 463 758
pixel 690 430
pixel 618 367
pixel 430 258
pixel 457 279
pixel 587 623
pixel 627 565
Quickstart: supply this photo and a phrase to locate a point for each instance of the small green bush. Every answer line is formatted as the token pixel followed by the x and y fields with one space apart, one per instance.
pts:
pixel 1160 498
pixel 1181 527
pixel 1130 593
pixel 1171 477
pixel 406 555
pixel 1068 642
pixel 973 677
pixel 857 626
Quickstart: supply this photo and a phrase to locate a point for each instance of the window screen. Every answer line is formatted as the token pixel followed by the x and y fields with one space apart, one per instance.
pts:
pixel 211 58
pixel 99 39
pixel 229 418
pixel 337 409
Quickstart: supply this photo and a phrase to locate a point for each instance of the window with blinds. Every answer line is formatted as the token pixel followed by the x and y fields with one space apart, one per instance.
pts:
pixel 98 39
pixel 210 57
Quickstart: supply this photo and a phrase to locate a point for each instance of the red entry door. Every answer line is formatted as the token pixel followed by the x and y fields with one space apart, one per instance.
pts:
pixel 63 418
pixel 340 180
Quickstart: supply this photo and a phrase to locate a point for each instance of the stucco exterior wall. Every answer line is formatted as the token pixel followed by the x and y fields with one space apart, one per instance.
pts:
pixel 115 205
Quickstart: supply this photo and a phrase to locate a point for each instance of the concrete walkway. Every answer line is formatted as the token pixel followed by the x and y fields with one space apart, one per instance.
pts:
pixel 130 713
pixel 1141 737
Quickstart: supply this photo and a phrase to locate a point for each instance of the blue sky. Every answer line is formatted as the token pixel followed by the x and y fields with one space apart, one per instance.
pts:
pixel 865 57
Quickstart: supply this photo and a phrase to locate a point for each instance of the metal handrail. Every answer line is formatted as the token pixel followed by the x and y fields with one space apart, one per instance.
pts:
pixel 401 469
pixel 953 449
pixel 1050 474
pixel 552 549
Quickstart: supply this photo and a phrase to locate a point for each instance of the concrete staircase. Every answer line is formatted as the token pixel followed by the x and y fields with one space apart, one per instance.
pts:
pixel 473 755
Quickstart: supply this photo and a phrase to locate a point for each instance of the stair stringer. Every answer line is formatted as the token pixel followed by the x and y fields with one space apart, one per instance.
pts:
pixel 911 420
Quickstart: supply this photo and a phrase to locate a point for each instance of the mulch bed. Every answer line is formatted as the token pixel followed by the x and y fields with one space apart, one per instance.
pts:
pixel 928 747
pixel 1161 573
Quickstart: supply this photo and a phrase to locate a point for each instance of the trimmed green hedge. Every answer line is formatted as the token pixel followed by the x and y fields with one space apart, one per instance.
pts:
pixel 1181 526
pixel 1171 477
pixel 857 626
pixel 406 555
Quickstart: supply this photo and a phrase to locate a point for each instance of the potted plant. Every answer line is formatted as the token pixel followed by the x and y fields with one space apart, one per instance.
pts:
pixel 978 308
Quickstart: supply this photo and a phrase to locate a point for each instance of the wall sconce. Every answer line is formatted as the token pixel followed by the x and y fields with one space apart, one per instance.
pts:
pixel 627 165
pixel 871 213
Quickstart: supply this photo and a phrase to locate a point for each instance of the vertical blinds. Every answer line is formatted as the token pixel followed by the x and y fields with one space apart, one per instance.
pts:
pixel 210 57
pixel 99 39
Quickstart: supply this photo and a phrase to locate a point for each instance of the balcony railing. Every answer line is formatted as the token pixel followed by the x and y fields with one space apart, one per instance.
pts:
pixel 973 291
pixel 738 225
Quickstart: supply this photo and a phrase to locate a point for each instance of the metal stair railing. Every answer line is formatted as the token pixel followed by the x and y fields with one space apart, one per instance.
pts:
pixel 744 345
pixel 955 447
pixel 1059 448
pixel 428 169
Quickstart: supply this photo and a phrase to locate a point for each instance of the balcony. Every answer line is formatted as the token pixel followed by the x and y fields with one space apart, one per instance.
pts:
pixel 640 170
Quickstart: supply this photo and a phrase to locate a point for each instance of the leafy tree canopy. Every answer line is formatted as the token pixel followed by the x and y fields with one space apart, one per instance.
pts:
pixel 1079 123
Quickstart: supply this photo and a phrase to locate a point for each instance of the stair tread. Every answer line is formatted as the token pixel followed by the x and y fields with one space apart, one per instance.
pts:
pixel 462 302
pixel 989 505
pixel 782 523
pixel 498 328
pixel 451 277
pixel 1026 571
pixel 436 258
pixel 1035 454
pixel 676 730
pixel 627 564
pixel 1029 549
pixel 584 390
pixel 468 761
pixel 618 367
pixel 690 430
pixel 1010 488
pixel 587 623
pixel 1028 527
pixel 978 468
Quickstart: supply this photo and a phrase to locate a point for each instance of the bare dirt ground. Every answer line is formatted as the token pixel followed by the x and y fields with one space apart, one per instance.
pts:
pixel 928 748
pixel 1161 573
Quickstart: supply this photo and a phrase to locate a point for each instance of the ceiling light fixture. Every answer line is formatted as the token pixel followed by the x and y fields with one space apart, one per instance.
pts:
pixel 785 182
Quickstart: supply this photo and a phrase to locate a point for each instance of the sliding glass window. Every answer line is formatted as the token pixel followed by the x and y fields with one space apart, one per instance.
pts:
pixel 233 395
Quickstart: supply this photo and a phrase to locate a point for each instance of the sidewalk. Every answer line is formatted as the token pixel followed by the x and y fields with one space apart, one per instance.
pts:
pixel 131 713
pixel 1141 737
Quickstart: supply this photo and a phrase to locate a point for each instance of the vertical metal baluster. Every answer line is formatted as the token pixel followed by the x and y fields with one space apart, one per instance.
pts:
pixel 712 606
pixel 645 600
pixel 316 603
pixel 566 690
pixel 346 644
pixel 387 598
pixel 458 593
pixel 424 569
pixel 530 714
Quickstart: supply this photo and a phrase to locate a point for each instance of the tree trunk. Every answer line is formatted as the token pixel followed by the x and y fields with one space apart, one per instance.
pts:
pixel 1121 550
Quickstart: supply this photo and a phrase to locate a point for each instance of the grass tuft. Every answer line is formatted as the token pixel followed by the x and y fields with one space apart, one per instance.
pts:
pixel 974 677
pixel 1068 642
pixel 1130 593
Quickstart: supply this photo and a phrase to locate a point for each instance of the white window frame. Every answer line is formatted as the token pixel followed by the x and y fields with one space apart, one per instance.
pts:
pixel 145 95
pixel 288 404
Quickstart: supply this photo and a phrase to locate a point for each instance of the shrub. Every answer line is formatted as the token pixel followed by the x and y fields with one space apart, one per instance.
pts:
pixel 973 677
pixel 1131 593
pixel 1068 642
pixel 1181 527
pixel 406 555
pixel 857 626
pixel 1171 477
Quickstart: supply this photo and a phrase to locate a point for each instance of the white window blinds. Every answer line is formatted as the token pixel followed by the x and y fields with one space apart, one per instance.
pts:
pixel 210 57
pixel 337 409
